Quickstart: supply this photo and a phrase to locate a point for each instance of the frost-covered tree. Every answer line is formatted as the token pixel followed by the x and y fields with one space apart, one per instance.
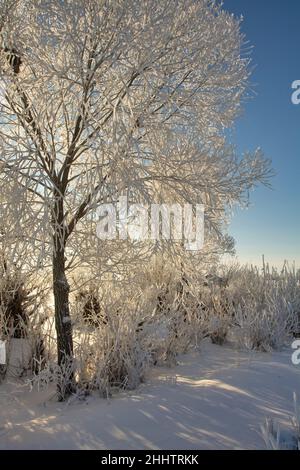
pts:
pixel 102 97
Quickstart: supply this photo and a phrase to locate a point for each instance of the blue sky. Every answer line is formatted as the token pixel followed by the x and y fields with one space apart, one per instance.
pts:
pixel 271 226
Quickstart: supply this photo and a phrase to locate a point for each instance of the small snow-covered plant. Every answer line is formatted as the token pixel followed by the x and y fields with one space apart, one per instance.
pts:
pixel 279 439
pixel 296 419
pixel 271 434
pixel 59 376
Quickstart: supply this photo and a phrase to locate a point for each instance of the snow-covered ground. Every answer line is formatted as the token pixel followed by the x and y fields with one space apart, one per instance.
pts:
pixel 216 398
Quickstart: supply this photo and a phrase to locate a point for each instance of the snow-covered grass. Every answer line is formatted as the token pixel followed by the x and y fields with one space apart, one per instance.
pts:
pixel 215 398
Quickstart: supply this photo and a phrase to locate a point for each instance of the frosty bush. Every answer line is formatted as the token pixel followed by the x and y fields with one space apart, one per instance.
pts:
pixel 219 308
pixel 109 352
pixel 266 309
pixel 265 326
pixel 111 355
pixel 53 374
pixel 180 317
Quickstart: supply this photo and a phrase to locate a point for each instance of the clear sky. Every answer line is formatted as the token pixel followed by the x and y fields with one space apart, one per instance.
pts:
pixel 271 226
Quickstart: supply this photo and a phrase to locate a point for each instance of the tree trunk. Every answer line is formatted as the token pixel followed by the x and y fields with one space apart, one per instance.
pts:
pixel 63 322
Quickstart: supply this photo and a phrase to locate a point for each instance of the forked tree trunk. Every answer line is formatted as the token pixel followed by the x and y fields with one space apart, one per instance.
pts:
pixel 63 322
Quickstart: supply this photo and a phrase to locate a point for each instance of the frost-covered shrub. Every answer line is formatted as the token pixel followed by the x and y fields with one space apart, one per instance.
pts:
pixel 174 320
pixel 219 310
pixel 181 329
pixel 265 306
pixel 111 354
pixel 191 306
pixel 60 376
pixel 182 315
pixel 266 326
